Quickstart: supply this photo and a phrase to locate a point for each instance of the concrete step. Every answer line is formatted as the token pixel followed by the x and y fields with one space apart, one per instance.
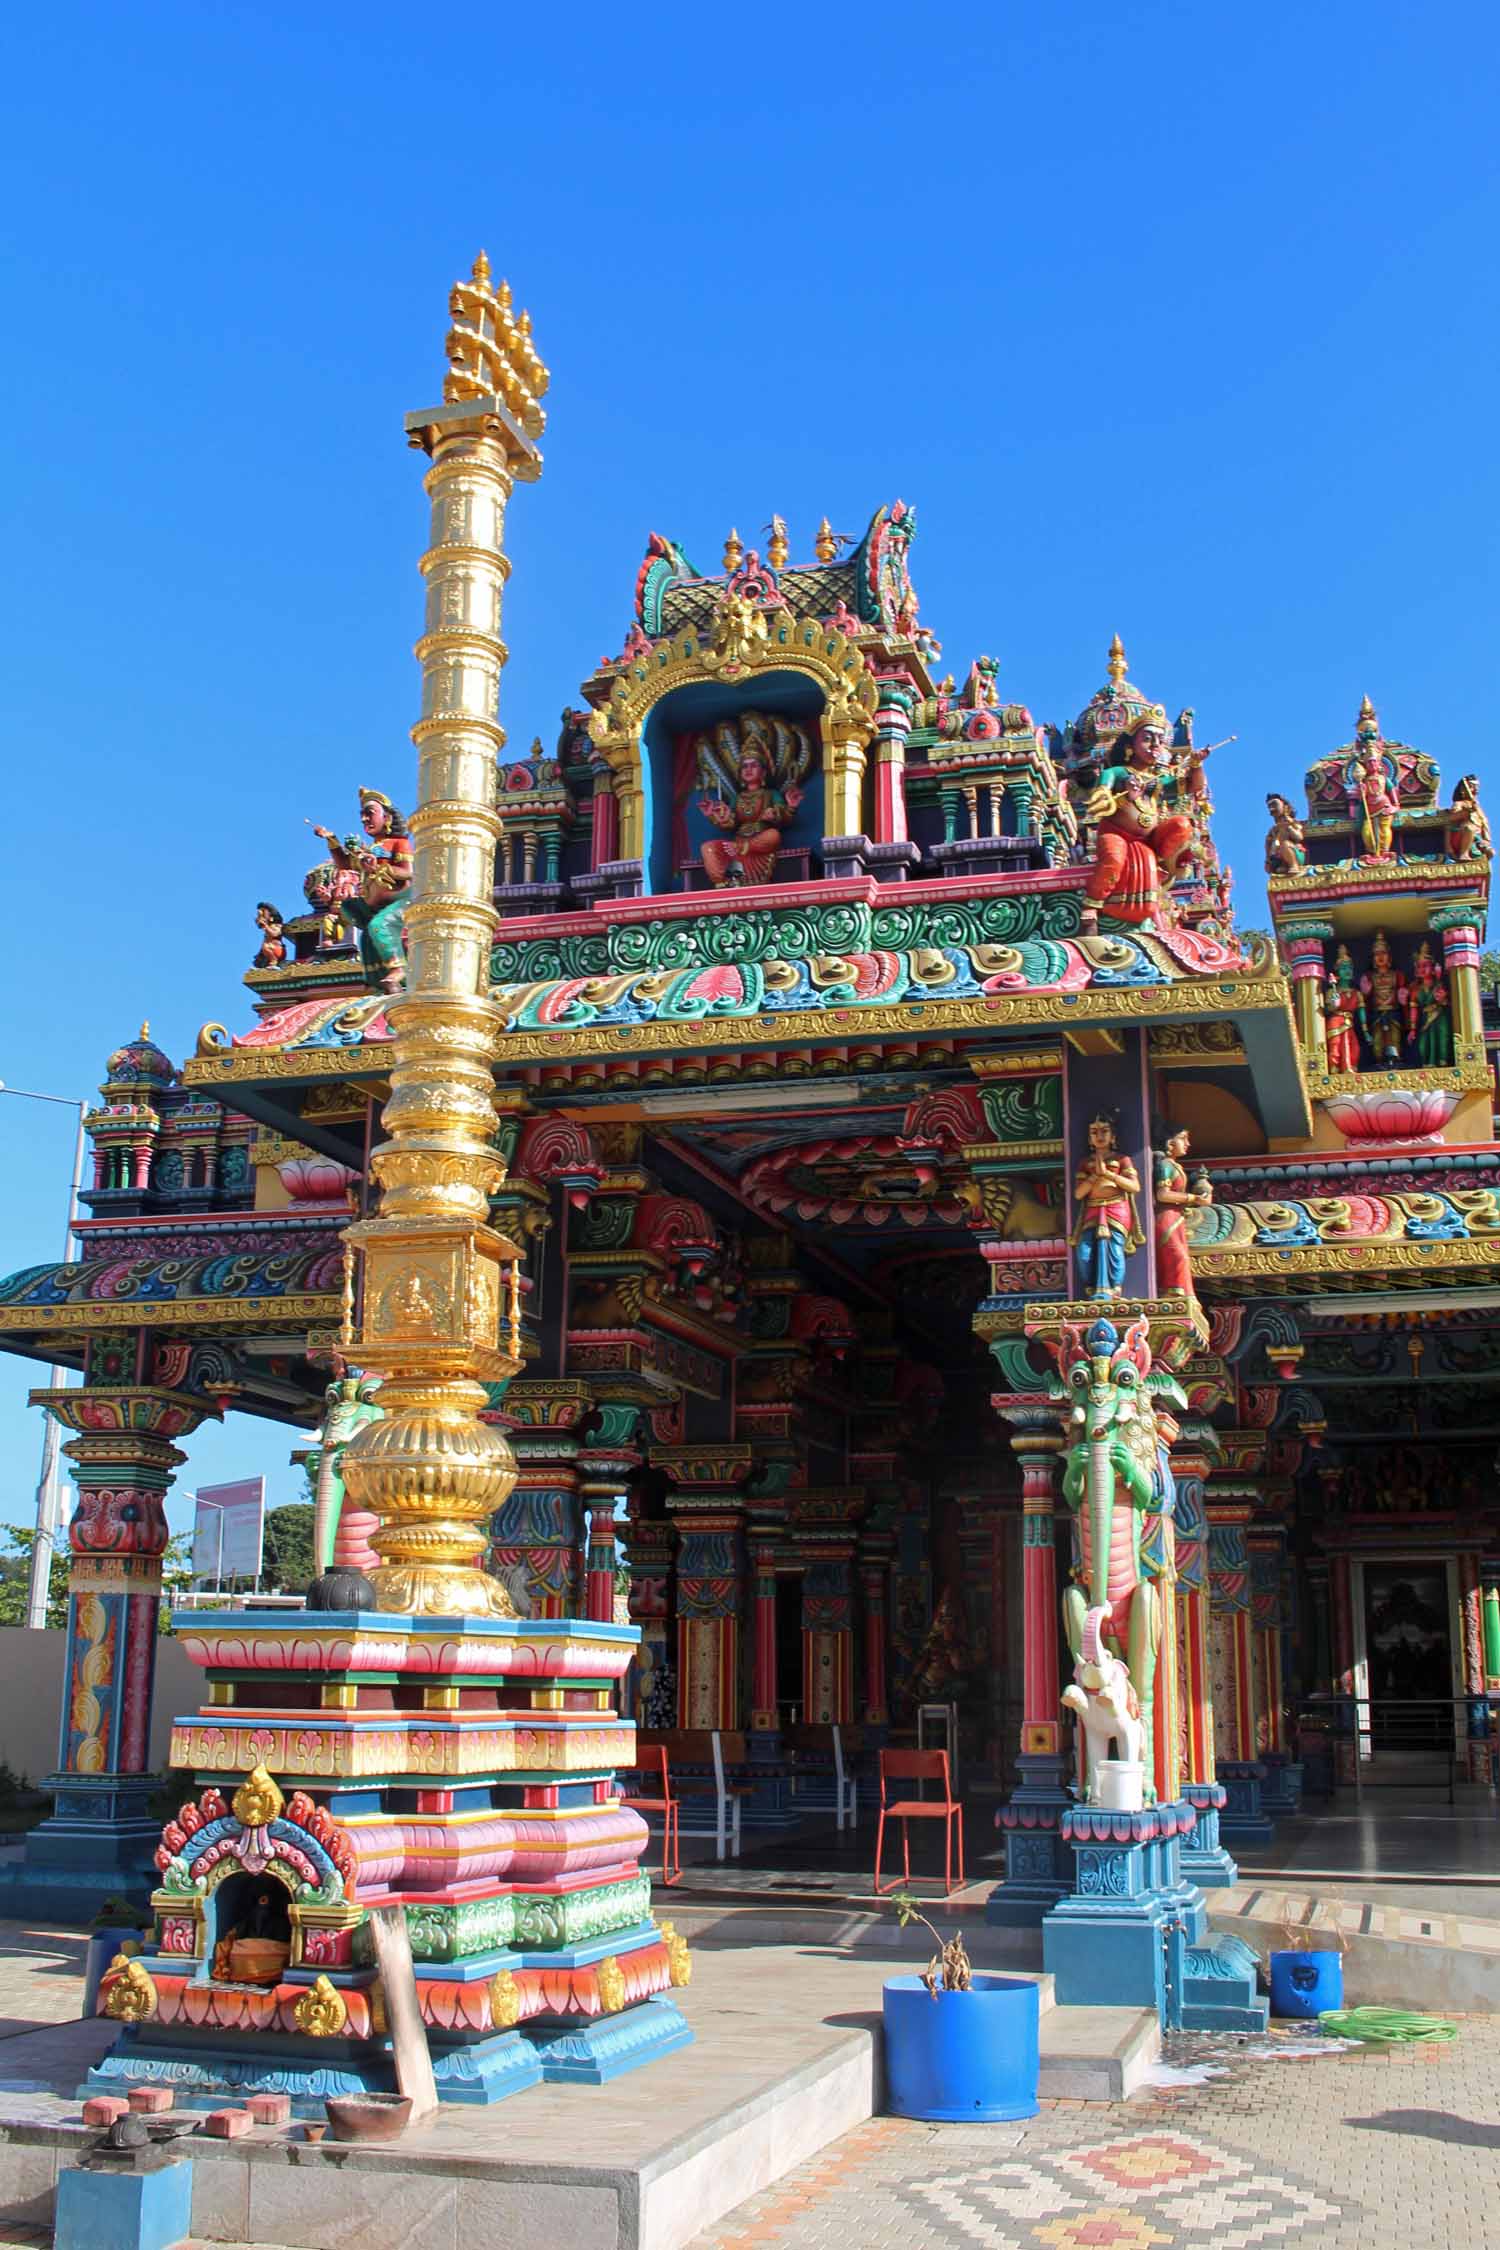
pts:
pixel 1096 2054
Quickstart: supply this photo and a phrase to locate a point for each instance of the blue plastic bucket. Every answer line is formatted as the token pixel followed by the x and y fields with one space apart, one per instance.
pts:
pixel 1305 1984
pixel 964 2054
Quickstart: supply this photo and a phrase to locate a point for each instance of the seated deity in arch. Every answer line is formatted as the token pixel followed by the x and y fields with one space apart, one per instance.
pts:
pixel 751 772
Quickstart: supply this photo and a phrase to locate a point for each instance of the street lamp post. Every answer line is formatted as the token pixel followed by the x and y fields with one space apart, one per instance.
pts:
pixel 48 1491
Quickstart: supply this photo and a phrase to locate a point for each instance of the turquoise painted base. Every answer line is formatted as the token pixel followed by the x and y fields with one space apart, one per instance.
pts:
pixel 1038 1864
pixel 483 2071
pixel 115 2209
pixel 592 2054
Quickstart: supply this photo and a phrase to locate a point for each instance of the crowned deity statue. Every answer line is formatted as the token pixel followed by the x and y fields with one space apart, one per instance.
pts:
pixel 382 866
pixel 1140 842
pixel 1429 1022
pixel 1173 1195
pixel 1107 1226
pixel 1382 1009
pixel 751 771
pixel 1378 801
pixel 1467 835
pixel 1286 847
pixel 1341 1013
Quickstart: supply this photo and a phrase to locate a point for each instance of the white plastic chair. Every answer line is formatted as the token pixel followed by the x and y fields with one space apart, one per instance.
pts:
pixel 845 1787
pixel 726 1818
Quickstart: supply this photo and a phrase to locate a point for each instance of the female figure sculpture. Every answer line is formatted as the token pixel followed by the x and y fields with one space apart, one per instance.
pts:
pixel 1429 1024
pixel 1140 843
pixel 1172 1196
pixel 383 866
pixel 1107 1226
pixel 1341 1012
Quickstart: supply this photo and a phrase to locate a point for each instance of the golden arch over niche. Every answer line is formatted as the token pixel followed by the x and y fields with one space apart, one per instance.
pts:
pixel 745 643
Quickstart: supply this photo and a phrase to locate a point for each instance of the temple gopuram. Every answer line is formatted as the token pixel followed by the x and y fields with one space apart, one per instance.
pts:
pixel 904 1227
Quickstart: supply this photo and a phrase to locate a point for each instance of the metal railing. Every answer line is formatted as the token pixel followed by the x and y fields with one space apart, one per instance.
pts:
pixel 1431 1728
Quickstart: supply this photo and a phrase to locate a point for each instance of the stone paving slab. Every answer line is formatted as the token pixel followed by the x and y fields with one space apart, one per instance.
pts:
pixel 1352 2151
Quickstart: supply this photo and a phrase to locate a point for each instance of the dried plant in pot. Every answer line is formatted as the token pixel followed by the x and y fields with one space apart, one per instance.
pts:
pixel 960 2043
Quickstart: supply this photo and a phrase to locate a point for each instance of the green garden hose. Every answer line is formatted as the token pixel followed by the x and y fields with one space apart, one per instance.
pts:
pixel 1384 2027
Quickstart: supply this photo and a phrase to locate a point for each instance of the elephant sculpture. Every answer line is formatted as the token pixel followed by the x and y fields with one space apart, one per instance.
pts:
pixel 1116 1477
pixel 1104 1700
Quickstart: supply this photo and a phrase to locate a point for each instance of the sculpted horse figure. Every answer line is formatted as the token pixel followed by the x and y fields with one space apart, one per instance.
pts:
pixel 1116 1475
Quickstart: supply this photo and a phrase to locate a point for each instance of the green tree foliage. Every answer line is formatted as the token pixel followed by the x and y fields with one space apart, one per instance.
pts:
pixel 288 1565
pixel 15 1574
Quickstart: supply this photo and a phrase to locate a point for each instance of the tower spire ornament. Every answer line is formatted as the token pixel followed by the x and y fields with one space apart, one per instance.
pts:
pixel 1117 664
pixel 434 1269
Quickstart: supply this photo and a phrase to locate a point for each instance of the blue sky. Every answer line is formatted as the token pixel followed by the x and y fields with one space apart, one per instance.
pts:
pixel 1173 320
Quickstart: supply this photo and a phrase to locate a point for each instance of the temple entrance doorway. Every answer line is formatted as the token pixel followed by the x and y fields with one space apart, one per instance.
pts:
pixel 1406 1665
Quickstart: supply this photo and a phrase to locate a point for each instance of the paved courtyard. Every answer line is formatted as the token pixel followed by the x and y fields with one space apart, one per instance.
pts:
pixel 1350 2151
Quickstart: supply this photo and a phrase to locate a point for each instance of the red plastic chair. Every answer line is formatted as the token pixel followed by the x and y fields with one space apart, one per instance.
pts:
pixel 651 1761
pixel 918 1765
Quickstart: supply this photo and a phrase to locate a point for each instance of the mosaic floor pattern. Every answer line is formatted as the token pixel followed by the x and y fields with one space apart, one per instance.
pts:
pixel 1144 2191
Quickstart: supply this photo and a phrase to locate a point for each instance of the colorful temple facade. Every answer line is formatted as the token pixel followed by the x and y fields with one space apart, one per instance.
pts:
pixel 943 1253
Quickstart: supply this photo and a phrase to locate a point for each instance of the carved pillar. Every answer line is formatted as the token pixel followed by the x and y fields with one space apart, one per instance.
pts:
pixel 708 1506
pixel 537 1531
pixel 764 1711
pixel 1039 1865
pixel 1232 1663
pixel 605 1466
pixel 874 1578
pixel 1204 1858
pixel 1345 1683
pixel 650 1696
pixel 893 718
pixel 1458 928
pixel 1267 1544
pixel 99 1837
pixel 1490 1584
pixel 1302 945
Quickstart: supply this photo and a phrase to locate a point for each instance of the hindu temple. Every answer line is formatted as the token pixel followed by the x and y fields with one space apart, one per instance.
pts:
pixel 810 1136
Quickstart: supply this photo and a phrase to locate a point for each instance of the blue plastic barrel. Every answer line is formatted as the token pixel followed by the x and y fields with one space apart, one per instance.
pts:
pixel 964 2054
pixel 1305 1984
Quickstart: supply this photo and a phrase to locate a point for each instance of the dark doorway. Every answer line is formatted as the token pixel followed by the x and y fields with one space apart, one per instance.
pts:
pixel 1410 1655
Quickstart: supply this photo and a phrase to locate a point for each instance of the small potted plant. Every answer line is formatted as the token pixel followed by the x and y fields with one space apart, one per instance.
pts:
pixel 959 2043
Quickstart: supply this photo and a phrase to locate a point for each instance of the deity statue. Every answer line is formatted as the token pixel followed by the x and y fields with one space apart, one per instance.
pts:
pixel 272 943
pixel 1429 1023
pixel 1172 1196
pixel 1140 844
pixel 1116 1479
pixel 1286 849
pixel 383 866
pixel 1382 1006
pixel 1468 831
pixel 1378 801
pixel 1341 1013
pixel 751 771
pixel 1108 1223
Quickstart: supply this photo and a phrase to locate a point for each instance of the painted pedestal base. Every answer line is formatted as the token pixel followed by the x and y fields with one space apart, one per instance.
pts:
pixel 1038 1864
pixel 1281 1791
pixel 465 1773
pixel 1134 1931
pixel 1204 1859
pixel 96 1844
pixel 1243 1819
